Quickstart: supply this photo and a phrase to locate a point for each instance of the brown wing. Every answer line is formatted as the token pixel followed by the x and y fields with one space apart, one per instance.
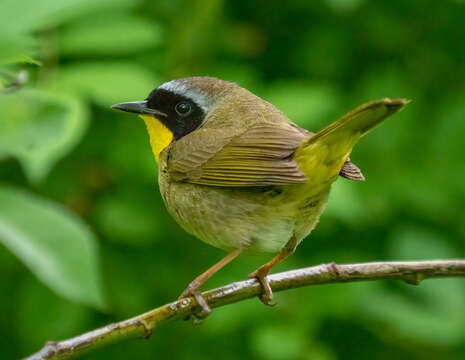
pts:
pixel 260 156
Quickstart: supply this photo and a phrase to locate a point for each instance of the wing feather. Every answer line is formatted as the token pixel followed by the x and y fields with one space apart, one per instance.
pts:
pixel 260 156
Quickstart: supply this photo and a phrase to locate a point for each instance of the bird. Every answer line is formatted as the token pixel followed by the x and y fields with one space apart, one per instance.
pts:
pixel 235 172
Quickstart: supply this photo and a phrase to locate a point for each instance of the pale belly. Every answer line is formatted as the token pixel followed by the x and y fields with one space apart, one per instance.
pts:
pixel 254 219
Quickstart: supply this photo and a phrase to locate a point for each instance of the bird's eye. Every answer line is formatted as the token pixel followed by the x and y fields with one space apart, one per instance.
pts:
pixel 183 108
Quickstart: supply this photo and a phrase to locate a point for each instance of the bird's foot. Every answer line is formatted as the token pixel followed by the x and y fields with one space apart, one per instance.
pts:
pixel 193 290
pixel 267 295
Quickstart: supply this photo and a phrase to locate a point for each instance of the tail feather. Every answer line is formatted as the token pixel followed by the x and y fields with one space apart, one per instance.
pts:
pixel 324 154
pixel 358 122
pixel 351 171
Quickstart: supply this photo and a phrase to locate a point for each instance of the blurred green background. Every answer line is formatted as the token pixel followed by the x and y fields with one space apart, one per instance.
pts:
pixel 87 240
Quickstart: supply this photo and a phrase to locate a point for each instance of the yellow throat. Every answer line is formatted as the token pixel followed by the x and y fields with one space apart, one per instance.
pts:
pixel 160 135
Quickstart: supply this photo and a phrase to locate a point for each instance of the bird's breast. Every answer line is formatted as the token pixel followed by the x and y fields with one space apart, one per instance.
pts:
pixel 256 219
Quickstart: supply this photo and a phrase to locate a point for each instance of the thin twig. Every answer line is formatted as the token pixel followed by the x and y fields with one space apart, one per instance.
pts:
pixel 412 272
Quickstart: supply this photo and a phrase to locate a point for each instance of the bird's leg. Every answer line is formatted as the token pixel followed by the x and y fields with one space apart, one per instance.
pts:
pixel 261 273
pixel 193 288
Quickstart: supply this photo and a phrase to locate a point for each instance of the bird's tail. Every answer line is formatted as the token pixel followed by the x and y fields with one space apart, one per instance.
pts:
pixel 322 156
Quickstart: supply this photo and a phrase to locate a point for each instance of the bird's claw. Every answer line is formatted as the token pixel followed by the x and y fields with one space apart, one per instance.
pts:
pixel 267 294
pixel 193 291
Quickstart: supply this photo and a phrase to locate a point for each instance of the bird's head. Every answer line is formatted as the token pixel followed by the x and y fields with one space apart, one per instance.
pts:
pixel 178 107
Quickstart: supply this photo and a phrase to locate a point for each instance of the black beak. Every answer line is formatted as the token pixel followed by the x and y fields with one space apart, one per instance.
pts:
pixel 138 107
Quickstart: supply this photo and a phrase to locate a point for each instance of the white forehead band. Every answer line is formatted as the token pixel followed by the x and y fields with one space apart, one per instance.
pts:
pixel 180 88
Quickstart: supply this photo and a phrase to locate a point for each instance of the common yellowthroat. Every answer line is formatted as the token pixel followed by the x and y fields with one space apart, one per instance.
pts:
pixel 238 174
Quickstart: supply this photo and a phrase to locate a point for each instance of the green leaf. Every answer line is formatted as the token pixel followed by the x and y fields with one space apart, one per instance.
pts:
pixel 53 243
pixel 18 18
pixel 109 34
pixel 107 83
pixel 21 16
pixel 16 48
pixel 39 128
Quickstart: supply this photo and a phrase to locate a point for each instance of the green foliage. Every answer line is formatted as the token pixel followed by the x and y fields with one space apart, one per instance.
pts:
pixel 64 148
pixel 15 48
pixel 42 132
pixel 304 102
pixel 431 313
pixel 106 82
pixel 108 34
pixel 53 243
pixel 19 18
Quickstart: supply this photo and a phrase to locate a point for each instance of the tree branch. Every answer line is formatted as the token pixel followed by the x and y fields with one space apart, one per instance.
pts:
pixel 412 272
